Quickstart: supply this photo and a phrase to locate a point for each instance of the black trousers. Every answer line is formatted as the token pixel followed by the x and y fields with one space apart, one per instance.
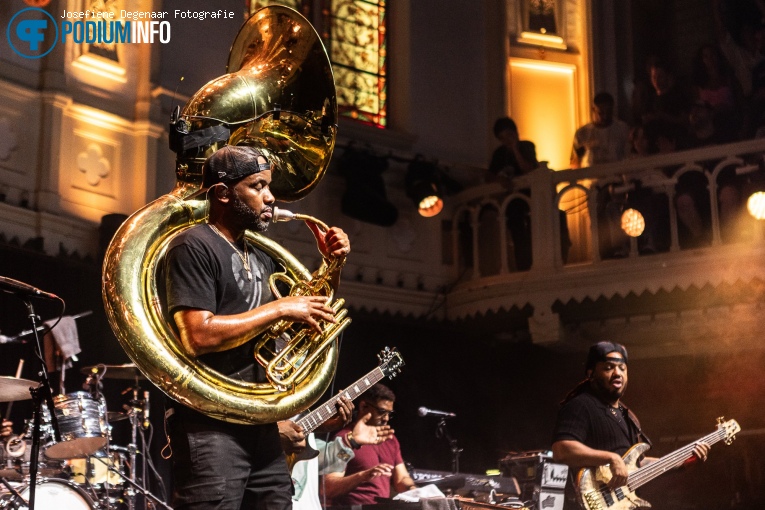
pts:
pixel 226 466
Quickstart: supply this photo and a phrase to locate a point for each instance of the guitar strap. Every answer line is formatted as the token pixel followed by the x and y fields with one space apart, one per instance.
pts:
pixel 635 425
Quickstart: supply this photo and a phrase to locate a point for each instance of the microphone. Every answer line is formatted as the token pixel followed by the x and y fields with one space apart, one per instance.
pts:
pixel 424 411
pixel 146 407
pixel 23 289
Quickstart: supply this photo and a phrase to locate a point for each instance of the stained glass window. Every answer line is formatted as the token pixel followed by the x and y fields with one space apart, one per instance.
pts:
pixel 355 34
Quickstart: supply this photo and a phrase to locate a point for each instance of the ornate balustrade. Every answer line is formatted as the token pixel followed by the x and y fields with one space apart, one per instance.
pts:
pixel 698 233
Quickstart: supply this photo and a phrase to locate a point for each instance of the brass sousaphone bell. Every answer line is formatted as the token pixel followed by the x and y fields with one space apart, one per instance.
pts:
pixel 278 95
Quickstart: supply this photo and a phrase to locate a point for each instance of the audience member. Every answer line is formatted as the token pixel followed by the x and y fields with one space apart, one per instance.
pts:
pixel 715 85
pixel 604 140
pixel 513 157
pixel 744 48
pixel 666 99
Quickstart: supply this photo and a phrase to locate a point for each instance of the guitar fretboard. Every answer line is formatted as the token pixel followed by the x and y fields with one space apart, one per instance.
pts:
pixel 672 460
pixel 328 409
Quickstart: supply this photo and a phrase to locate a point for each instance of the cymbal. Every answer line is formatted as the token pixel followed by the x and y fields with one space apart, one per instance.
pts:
pixel 12 388
pixel 126 371
pixel 112 416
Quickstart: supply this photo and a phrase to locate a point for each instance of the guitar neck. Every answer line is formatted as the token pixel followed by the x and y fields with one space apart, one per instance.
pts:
pixel 328 409
pixel 670 461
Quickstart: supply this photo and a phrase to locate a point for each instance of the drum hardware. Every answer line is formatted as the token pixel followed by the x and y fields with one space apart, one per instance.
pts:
pixel 15 493
pixel 18 338
pixel 127 371
pixel 41 394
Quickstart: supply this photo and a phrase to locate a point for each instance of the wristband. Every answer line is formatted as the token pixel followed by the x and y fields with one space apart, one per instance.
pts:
pixel 354 444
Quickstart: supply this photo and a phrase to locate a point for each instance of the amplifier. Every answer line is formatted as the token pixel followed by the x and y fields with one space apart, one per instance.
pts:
pixel 541 480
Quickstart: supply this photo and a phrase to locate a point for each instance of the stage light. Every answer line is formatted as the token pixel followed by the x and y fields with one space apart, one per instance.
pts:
pixel 633 222
pixel 756 205
pixel 424 187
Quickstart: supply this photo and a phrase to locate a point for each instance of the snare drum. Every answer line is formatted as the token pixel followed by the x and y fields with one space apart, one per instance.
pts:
pixel 50 493
pixel 82 422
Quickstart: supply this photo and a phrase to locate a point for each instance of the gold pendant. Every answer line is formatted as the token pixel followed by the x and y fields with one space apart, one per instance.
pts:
pixel 249 274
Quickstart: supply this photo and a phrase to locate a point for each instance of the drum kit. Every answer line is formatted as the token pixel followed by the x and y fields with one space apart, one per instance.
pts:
pixel 82 470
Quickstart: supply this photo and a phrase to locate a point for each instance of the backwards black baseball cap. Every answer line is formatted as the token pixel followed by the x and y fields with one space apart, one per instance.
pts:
pixel 601 350
pixel 233 162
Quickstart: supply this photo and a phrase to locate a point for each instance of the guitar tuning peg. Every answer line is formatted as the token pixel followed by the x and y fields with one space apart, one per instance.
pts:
pixel 720 420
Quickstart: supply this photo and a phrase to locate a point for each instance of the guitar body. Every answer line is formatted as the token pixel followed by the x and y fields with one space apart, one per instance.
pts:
pixel 591 484
pixel 593 491
pixel 306 453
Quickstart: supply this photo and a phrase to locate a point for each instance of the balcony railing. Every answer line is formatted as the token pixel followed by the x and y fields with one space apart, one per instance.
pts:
pixel 572 246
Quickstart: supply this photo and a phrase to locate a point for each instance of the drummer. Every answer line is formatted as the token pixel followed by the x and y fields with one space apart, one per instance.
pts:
pixel 6 430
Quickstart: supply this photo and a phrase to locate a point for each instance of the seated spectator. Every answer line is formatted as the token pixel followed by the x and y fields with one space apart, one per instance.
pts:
pixel 604 140
pixel 703 130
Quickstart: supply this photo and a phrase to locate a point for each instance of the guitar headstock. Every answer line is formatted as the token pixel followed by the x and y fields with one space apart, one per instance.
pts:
pixel 730 428
pixel 390 362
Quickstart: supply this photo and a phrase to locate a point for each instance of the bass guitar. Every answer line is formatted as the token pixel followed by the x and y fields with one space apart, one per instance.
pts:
pixel 390 365
pixel 591 483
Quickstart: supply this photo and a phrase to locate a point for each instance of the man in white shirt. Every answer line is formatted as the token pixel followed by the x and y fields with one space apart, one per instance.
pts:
pixel 604 140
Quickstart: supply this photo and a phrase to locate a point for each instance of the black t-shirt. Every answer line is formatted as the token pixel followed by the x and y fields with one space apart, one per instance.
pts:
pixel 587 419
pixel 592 422
pixel 504 162
pixel 202 270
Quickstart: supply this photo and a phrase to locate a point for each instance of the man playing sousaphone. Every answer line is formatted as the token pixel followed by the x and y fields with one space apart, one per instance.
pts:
pixel 218 299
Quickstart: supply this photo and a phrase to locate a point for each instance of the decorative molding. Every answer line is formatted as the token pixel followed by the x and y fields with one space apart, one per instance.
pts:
pixel 93 164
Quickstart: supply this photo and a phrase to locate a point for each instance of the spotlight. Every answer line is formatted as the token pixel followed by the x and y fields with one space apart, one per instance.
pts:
pixel 424 187
pixel 755 189
pixel 756 205
pixel 633 222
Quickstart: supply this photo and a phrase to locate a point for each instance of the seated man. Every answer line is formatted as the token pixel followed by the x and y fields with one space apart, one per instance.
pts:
pixel 375 468
pixel 333 455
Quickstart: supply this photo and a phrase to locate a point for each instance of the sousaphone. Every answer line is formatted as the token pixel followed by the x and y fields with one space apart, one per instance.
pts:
pixel 278 95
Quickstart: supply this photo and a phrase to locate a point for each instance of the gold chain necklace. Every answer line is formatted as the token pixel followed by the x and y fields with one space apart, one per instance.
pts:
pixel 244 258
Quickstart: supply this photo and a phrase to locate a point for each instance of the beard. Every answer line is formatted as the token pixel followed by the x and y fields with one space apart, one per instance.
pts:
pixel 607 392
pixel 249 217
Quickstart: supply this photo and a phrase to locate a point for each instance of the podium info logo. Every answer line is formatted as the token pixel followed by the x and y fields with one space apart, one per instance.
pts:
pixel 31 35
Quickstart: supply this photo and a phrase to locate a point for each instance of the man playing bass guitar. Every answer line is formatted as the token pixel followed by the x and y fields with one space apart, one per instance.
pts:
pixel 594 427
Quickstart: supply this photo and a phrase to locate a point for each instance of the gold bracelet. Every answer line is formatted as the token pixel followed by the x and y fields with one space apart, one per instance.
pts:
pixel 354 444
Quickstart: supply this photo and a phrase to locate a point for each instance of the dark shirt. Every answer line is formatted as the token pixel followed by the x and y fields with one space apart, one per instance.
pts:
pixel 504 162
pixel 202 271
pixel 592 422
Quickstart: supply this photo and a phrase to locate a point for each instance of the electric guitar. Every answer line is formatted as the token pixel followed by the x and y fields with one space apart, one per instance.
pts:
pixel 591 484
pixel 390 365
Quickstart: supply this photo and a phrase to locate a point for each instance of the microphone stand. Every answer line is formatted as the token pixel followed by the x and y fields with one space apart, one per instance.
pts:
pixel 442 431
pixel 40 394
pixel 15 338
